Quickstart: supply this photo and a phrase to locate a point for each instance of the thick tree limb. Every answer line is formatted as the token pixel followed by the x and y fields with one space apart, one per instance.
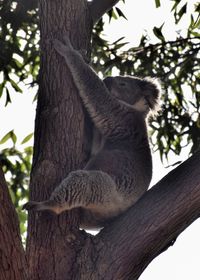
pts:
pixel 125 248
pixel 99 7
pixel 12 257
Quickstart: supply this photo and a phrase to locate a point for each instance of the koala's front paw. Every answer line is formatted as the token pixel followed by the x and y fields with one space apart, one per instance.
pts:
pixel 60 47
pixel 66 47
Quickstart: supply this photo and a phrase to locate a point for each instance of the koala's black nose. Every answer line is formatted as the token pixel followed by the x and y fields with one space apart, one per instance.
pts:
pixel 108 82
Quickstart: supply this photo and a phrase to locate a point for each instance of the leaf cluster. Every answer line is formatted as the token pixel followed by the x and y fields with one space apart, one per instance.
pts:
pixel 19 49
pixel 17 167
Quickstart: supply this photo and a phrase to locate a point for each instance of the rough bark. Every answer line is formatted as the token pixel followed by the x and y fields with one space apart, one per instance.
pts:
pixel 12 257
pixel 58 147
pixel 124 249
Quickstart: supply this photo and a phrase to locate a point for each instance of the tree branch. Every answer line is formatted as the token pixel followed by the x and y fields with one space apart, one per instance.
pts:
pixel 12 264
pixel 99 7
pixel 129 244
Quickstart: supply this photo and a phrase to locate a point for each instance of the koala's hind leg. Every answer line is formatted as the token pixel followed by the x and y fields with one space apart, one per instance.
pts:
pixel 49 205
pixel 90 189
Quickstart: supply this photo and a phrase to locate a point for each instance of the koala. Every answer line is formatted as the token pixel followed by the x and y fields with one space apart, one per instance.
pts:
pixel 120 168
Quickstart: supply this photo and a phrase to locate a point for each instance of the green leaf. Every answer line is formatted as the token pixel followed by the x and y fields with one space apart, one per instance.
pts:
pixel 10 135
pixel 6 137
pixel 191 21
pixel 118 40
pixel 157 3
pixel 158 32
pixel 118 46
pixel 13 137
pixel 197 7
pixel 120 14
pixel 182 11
pixel 197 23
pixel 1 88
pixel 18 63
pixel 195 34
pixel 15 86
pixel 8 99
pixel 12 194
pixel 27 138
pixel 35 97
pixel 175 5
pixel 112 14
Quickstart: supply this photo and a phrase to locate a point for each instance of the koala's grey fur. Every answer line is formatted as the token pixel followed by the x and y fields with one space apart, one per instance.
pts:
pixel 120 168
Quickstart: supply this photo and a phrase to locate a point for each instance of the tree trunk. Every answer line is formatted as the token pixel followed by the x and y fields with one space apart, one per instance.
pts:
pixel 58 147
pixel 12 258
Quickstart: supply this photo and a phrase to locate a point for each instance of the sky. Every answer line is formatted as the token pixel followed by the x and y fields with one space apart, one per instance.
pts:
pixel 181 261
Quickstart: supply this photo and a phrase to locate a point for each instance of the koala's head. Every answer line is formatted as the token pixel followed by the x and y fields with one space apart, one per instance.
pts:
pixel 141 94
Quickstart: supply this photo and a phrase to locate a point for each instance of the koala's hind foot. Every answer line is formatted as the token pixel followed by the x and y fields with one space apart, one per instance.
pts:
pixel 48 205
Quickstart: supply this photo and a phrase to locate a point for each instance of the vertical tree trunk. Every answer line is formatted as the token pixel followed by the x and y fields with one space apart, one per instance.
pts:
pixel 58 147
pixel 12 257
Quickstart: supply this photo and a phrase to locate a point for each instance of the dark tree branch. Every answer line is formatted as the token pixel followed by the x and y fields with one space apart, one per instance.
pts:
pixel 125 248
pixel 99 7
pixel 12 263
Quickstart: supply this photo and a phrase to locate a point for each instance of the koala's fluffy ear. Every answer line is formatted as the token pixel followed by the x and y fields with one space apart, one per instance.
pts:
pixel 151 89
